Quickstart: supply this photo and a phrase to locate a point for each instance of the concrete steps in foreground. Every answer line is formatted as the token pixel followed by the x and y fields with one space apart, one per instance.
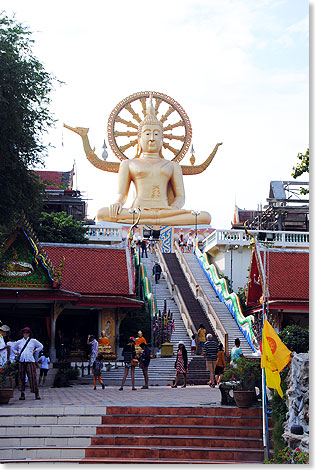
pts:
pixel 124 434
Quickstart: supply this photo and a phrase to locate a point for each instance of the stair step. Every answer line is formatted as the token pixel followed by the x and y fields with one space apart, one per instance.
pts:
pixel 164 452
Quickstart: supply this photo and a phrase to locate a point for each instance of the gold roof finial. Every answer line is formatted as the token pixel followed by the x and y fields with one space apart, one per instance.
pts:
pixel 192 158
pixel 150 117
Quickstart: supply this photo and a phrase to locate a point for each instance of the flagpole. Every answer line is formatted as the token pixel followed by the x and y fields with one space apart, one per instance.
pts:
pixel 263 374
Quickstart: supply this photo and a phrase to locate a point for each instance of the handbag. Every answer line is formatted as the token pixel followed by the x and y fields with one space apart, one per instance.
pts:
pixel 134 362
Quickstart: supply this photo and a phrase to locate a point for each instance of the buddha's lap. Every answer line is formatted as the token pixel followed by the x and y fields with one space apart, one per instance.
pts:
pixel 179 216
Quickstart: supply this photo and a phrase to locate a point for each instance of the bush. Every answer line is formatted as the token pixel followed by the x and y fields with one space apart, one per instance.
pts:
pixel 295 338
pixel 247 372
pixel 288 455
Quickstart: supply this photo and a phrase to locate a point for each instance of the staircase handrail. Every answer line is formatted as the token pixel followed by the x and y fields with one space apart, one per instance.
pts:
pixel 200 295
pixel 189 325
pixel 146 285
pixel 231 300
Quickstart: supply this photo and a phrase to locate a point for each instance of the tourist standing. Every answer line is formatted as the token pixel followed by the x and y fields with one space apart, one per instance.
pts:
pixel 220 365
pixel 236 352
pixel 129 353
pixel 94 348
pixel 44 361
pixel 193 344
pixel 11 345
pixel 97 367
pixel 144 248
pixel 4 348
pixel 26 347
pixel 181 364
pixel 152 243
pixel 201 338
pixel 144 362
pixel 189 243
pixel 210 350
pixel 156 271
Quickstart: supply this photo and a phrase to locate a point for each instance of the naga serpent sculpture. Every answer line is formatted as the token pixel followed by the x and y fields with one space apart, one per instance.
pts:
pixel 113 134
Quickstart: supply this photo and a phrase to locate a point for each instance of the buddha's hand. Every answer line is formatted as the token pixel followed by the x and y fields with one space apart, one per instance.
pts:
pixel 114 210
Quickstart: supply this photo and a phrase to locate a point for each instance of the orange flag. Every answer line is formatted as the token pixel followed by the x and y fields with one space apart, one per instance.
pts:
pixel 275 356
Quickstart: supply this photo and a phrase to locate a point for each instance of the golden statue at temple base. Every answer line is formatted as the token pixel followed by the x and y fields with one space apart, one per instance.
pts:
pixel 104 346
pixel 139 342
pixel 160 193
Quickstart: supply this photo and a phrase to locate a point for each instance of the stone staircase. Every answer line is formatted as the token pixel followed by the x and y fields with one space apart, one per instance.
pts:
pixel 220 308
pixel 123 434
pixel 47 433
pixel 161 369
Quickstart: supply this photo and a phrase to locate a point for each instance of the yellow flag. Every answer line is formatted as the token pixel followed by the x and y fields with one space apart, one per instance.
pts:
pixel 275 356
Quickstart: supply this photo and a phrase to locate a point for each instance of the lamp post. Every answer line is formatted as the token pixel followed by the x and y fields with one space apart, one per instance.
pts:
pixel 231 249
pixel 196 213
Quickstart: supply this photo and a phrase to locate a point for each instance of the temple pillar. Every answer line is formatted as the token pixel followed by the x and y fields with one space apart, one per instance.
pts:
pixel 99 323
pixel 55 311
pixel 52 345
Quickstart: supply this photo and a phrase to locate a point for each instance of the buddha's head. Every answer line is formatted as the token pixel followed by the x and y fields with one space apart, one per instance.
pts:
pixel 150 133
pixel 139 334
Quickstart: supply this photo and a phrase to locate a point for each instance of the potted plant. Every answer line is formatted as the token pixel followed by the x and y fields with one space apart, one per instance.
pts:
pixel 246 375
pixel 7 371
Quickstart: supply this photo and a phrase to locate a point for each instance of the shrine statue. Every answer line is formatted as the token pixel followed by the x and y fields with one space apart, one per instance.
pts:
pixel 104 346
pixel 160 193
pixel 140 340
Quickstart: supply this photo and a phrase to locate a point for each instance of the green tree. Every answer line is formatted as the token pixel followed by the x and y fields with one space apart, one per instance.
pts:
pixel 25 89
pixel 295 338
pixel 57 227
pixel 301 168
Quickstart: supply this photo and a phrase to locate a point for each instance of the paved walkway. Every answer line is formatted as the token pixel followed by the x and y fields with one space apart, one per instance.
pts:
pixel 84 395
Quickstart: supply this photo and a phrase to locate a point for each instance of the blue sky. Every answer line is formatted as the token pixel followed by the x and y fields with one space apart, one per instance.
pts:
pixel 239 68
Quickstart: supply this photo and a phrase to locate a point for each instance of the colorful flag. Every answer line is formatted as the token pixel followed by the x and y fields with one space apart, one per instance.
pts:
pixel 275 356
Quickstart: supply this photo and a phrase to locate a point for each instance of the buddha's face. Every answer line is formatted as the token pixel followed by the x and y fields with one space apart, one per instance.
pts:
pixel 151 138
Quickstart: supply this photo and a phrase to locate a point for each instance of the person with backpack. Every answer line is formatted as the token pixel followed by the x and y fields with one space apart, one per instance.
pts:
pixel 156 271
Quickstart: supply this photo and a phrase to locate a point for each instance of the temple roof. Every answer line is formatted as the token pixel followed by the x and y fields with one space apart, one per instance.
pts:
pixel 57 179
pixel 94 270
pixel 287 280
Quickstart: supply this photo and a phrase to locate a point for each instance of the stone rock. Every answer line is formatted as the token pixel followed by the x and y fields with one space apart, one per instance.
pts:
pixel 297 400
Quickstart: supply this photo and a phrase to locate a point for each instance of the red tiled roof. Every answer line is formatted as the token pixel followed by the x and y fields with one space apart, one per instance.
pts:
pixel 87 270
pixel 55 177
pixel 288 275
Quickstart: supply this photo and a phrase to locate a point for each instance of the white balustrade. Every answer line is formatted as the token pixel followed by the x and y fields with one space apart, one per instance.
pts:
pixel 104 233
pixel 239 237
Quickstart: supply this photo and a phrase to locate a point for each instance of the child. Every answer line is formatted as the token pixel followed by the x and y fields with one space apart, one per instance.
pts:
pixel 44 360
pixel 220 365
pixel 193 344
pixel 97 367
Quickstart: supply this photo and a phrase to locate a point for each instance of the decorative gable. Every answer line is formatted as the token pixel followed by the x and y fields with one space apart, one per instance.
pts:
pixel 26 264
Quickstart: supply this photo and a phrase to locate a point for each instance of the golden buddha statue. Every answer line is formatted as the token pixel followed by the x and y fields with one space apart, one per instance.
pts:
pixel 160 193
pixel 104 346
pixel 138 342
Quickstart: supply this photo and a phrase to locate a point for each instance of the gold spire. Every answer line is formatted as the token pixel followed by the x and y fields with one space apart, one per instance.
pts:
pixel 150 117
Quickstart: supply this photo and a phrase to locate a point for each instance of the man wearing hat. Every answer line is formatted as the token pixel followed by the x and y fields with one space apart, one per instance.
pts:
pixel 4 349
pixel 26 347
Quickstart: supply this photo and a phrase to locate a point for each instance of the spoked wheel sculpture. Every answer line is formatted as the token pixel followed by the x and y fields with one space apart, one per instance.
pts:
pixel 124 120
